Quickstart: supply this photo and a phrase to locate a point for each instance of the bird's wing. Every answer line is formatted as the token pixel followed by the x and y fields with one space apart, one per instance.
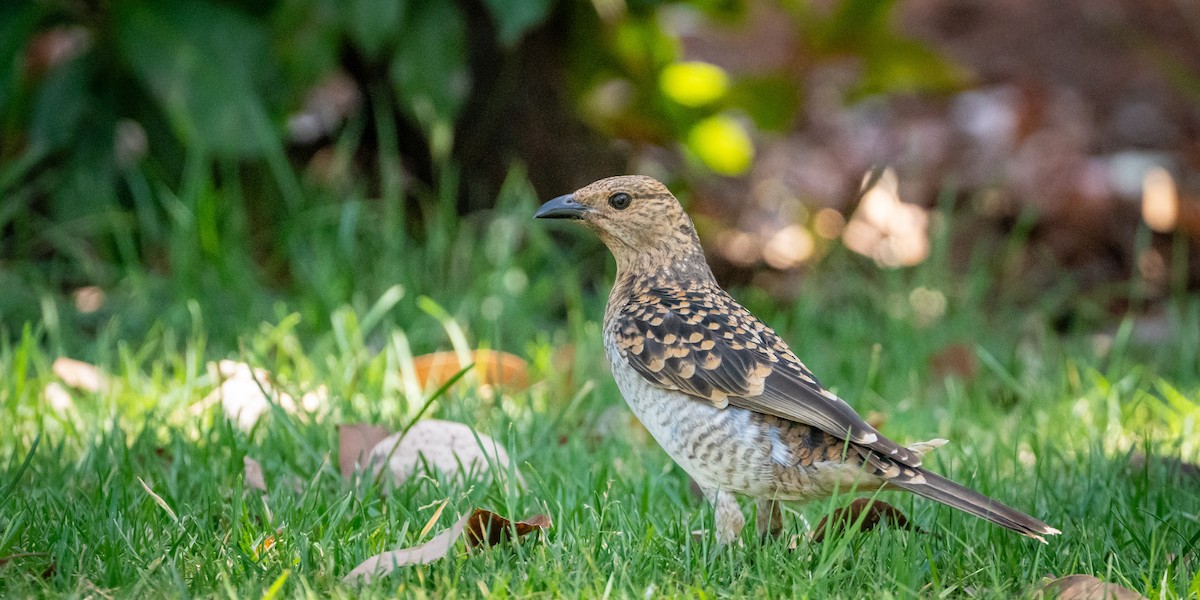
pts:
pixel 700 341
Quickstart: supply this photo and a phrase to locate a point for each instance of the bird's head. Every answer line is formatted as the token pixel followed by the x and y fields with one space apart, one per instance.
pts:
pixel 637 217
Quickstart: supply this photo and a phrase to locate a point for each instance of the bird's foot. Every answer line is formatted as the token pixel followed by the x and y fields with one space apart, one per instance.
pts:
pixel 769 519
pixel 729 517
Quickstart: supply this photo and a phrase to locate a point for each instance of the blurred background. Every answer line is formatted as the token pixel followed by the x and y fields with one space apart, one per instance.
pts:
pixel 173 161
pixel 231 229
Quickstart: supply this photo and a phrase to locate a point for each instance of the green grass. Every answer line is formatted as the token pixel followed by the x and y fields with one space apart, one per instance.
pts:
pixel 1047 424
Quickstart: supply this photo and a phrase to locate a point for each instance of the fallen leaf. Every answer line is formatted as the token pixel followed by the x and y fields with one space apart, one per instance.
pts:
pixel 444 446
pixel 88 299
pixel 254 475
pixel 57 396
pixel 876 419
pixel 265 545
pixel 492 367
pixel 872 513
pixel 486 528
pixel 80 375
pixel 483 527
pixel 246 394
pixel 355 442
pixel 1085 587
pixel 955 360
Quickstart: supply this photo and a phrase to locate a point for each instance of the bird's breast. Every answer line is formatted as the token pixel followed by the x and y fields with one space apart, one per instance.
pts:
pixel 731 448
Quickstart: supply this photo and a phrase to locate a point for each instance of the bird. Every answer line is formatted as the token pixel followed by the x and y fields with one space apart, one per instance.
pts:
pixel 721 392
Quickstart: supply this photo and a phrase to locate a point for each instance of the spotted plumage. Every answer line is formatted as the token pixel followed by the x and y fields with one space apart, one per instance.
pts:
pixel 720 391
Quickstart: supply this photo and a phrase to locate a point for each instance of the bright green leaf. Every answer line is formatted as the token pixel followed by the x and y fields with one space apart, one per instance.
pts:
pixel 372 23
pixel 429 69
pixel 693 83
pixel 200 61
pixel 722 144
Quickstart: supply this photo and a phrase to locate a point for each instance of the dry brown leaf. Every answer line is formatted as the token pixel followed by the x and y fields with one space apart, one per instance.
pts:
pixel 483 527
pixel 355 442
pixel 254 475
pixel 876 511
pixel 491 366
pixel 80 375
pixel 1085 587
pixel 444 446
pixel 486 528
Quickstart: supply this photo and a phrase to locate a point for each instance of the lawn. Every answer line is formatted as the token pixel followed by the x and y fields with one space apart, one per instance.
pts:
pixel 139 489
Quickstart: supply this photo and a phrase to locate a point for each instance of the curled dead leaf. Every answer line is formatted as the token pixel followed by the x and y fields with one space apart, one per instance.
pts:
pixel 872 513
pixel 486 528
pixel 80 375
pixel 444 446
pixel 492 367
pixel 1085 587
pixel 483 527
pixel 355 442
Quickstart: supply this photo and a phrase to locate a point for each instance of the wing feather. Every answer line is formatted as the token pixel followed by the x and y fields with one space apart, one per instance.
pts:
pixel 700 341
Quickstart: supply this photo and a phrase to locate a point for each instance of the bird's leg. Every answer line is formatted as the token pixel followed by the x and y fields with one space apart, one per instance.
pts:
pixel 770 519
pixel 729 517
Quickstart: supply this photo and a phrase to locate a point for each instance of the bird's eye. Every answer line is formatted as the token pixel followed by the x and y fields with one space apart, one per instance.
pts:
pixel 620 200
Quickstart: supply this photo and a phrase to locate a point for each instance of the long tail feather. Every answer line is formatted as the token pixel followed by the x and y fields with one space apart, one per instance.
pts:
pixel 935 487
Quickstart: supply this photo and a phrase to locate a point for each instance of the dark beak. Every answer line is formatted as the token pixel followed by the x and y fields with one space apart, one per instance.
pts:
pixel 562 207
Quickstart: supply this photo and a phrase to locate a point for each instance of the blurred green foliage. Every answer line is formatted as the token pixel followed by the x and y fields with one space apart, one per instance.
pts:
pixel 144 145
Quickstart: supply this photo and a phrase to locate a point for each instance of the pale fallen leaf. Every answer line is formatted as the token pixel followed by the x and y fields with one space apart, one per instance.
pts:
pixel 1085 587
pixel 492 367
pixel 483 528
pixel 80 375
pixel 246 394
pixel 445 446
pixel 57 396
pixel 872 512
pixel 254 475
pixel 89 299
pixel 355 442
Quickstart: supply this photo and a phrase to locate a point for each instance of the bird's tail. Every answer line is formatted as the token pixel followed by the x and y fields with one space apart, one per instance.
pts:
pixel 935 487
